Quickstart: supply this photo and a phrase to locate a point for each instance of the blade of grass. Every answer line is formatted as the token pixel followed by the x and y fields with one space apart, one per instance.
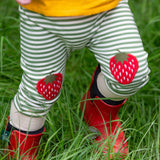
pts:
pixel 1 53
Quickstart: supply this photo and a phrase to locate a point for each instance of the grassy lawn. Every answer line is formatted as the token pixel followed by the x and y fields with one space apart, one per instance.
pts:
pixel 66 135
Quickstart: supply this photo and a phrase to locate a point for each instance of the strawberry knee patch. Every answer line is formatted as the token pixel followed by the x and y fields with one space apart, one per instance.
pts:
pixel 124 67
pixel 50 86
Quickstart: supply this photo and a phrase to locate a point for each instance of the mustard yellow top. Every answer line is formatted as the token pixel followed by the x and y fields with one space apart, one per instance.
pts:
pixel 70 7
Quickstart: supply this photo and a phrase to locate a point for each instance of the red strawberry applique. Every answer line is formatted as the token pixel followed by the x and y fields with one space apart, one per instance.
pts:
pixel 123 67
pixel 50 86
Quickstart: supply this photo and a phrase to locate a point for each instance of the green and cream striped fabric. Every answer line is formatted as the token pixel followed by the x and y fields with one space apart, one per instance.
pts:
pixel 46 43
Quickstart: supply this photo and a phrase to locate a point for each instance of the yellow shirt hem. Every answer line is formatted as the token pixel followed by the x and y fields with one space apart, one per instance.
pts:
pixel 57 12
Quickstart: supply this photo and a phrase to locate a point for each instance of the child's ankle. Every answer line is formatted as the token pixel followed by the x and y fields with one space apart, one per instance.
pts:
pixel 23 122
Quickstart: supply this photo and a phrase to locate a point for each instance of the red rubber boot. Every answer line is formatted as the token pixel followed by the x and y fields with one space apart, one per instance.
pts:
pixel 105 118
pixel 23 146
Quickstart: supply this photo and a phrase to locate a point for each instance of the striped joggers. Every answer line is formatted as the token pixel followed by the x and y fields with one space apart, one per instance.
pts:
pixel 46 43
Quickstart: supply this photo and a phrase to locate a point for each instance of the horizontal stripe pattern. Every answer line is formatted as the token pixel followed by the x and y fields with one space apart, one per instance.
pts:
pixel 46 43
pixel 119 32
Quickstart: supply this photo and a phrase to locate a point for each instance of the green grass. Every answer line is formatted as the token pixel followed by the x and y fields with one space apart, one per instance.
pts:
pixel 66 135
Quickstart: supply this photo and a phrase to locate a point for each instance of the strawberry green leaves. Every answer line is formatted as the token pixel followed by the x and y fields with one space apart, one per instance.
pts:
pixel 123 67
pixel 50 86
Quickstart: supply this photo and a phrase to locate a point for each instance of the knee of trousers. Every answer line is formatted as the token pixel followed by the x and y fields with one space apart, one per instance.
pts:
pixel 36 95
pixel 127 77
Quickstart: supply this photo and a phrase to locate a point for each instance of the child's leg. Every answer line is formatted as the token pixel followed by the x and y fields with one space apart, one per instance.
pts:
pixel 42 53
pixel 117 32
